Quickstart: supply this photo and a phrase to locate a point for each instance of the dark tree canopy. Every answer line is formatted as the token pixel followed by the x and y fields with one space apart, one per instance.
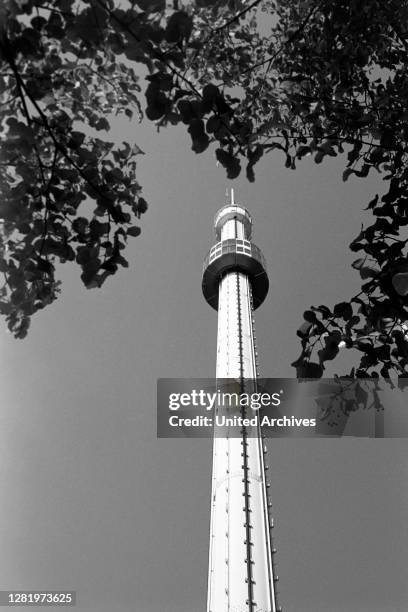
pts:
pixel 321 78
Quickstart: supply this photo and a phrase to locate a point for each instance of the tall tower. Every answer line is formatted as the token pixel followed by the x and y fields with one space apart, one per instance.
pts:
pixel 241 576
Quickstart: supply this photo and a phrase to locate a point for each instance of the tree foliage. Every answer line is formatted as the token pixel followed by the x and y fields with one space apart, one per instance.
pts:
pixel 321 78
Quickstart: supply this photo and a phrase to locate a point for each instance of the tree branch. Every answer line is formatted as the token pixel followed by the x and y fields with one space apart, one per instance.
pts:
pixel 57 144
pixel 291 38
pixel 235 18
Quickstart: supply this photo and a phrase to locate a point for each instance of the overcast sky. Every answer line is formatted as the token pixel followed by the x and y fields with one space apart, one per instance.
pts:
pixel 93 501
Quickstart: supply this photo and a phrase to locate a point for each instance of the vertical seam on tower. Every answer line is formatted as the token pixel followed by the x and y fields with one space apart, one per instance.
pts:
pixel 227 280
pixel 245 460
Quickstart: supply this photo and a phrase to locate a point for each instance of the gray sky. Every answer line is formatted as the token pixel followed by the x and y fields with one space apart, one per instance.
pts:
pixel 93 501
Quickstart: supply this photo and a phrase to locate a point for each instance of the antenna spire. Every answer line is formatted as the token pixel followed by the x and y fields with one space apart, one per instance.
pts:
pixel 232 197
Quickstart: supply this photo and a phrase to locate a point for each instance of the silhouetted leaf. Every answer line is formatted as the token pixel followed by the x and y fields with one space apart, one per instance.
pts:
pixel 198 135
pixel 179 27
pixel 400 283
pixel 133 231
pixel 344 310
pixel 230 163
pixel 304 329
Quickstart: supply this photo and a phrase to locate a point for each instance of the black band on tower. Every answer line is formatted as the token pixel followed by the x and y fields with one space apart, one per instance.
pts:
pixel 235 254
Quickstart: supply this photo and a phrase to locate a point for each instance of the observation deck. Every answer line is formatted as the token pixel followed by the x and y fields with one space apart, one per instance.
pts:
pixel 239 255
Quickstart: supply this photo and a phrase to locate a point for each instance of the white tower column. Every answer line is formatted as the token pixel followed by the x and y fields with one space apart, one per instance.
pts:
pixel 241 572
